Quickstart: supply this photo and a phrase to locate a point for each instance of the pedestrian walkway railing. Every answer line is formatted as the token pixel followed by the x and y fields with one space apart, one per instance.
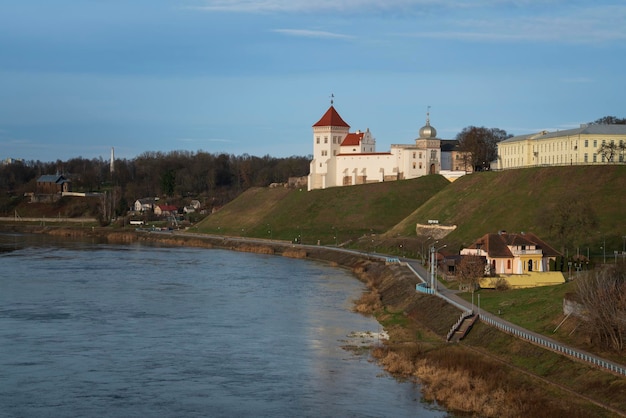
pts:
pixel 423 287
pixel 554 346
pixel 458 323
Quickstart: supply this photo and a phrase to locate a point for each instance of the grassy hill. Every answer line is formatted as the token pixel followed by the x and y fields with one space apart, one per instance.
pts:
pixel 526 200
pixel 332 215
pixel 513 200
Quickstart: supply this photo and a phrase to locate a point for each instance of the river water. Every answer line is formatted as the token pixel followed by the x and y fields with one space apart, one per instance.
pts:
pixel 90 329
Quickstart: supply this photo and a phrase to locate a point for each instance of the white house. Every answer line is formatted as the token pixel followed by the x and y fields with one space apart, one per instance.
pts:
pixel 145 204
pixel 344 158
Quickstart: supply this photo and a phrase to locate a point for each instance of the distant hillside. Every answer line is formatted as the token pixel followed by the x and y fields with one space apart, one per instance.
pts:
pixel 514 200
pixel 336 214
pixel 525 200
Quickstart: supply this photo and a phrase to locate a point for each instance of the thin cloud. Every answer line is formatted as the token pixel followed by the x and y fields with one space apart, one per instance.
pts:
pixel 584 25
pixel 305 33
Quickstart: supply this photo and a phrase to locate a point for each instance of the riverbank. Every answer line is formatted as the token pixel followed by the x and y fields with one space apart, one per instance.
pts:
pixel 476 377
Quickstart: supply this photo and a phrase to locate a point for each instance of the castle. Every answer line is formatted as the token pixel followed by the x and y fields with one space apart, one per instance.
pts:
pixel 344 158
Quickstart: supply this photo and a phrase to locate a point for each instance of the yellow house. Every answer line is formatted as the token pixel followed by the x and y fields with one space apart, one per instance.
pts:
pixel 513 253
pixel 568 147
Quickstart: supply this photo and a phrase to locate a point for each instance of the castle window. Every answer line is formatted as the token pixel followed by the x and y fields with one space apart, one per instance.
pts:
pixel 595 158
pixel 586 158
pixel 317 139
pixel 414 165
pixel 326 140
pixel 586 143
pixel 595 143
pixel 414 154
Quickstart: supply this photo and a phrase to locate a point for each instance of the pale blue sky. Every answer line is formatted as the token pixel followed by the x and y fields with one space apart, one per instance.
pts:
pixel 78 77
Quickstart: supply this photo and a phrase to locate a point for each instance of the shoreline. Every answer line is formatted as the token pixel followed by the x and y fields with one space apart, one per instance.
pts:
pixel 461 379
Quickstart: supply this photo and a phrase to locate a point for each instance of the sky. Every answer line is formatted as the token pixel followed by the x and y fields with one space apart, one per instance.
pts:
pixel 78 77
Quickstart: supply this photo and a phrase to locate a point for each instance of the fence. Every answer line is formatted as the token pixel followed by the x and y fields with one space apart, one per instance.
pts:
pixel 535 339
pixel 554 346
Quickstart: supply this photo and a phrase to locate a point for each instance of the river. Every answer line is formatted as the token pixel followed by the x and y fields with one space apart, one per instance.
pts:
pixel 92 329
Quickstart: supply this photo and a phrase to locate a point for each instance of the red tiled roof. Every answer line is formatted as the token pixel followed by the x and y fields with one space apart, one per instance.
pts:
pixel 361 154
pixel 331 118
pixel 497 245
pixel 352 139
pixel 168 208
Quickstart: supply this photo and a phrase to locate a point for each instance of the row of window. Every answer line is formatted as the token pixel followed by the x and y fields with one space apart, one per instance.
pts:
pixel 336 139
pixel 555 146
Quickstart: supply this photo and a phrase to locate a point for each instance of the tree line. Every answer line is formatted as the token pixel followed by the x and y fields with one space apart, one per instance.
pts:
pixel 217 178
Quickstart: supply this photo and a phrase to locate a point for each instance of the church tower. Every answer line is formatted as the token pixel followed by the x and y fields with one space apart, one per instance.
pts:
pixel 328 134
pixel 429 142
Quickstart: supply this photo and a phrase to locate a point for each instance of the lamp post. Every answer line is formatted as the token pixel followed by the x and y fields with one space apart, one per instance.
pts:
pixel 269 230
pixel 433 265
pixel 422 251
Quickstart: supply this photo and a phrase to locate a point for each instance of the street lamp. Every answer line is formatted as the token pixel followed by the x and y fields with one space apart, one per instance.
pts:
pixel 433 265
pixel 269 230
pixel 422 251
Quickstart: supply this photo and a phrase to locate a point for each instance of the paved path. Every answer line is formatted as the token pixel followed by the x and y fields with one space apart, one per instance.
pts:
pixel 506 326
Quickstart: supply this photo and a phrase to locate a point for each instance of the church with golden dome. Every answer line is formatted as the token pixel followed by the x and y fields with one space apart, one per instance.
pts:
pixel 344 158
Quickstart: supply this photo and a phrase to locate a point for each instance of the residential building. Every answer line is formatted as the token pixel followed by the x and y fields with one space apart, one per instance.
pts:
pixel 165 210
pixel 344 158
pixel 568 147
pixel 513 253
pixel 146 204
pixel 53 184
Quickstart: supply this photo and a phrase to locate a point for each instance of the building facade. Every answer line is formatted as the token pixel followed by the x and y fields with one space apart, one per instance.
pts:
pixel 513 253
pixel 569 147
pixel 344 158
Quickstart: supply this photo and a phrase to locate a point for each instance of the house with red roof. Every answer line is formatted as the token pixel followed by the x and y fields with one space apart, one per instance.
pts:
pixel 513 253
pixel 165 210
pixel 344 158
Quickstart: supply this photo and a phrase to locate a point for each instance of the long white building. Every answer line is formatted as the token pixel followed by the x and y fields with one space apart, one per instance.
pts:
pixel 344 158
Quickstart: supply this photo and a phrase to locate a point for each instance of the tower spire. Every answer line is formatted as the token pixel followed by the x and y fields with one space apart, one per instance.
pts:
pixel 332 98
pixel 427 115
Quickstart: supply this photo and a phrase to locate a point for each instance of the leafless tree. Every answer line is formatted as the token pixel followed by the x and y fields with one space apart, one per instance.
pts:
pixel 470 270
pixel 602 294
pixel 608 151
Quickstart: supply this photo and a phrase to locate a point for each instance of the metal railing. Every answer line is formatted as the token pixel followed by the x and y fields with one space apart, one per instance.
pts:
pixel 554 346
pixel 530 337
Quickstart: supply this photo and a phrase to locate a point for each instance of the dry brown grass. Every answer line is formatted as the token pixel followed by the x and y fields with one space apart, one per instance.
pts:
pixel 368 303
pixel 469 383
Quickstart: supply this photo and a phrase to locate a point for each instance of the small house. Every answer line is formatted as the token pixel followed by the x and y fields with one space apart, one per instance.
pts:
pixel 53 184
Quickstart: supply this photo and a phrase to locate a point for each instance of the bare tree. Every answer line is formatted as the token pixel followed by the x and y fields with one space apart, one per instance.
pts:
pixel 609 120
pixel 602 293
pixel 470 270
pixel 608 151
pixel 481 145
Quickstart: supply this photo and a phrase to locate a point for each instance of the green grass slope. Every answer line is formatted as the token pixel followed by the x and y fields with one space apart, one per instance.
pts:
pixel 524 200
pixel 332 215
pixel 512 200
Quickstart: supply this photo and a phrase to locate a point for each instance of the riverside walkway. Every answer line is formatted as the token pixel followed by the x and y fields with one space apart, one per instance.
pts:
pixel 510 328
